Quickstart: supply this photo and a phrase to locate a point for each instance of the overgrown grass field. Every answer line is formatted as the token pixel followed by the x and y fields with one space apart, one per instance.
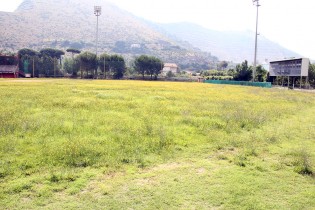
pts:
pixel 69 144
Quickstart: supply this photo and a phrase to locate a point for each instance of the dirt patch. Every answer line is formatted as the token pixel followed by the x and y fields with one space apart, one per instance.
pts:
pixel 29 80
pixel 146 182
pixel 201 171
pixel 168 166
pixel 305 90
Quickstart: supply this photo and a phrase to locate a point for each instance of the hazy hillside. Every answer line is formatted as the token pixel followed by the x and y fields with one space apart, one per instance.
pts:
pixel 72 23
pixel 229 45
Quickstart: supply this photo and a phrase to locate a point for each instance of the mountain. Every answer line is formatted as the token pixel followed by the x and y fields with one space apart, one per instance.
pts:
pixel 73 21
pixel 228 45
pixel 66 24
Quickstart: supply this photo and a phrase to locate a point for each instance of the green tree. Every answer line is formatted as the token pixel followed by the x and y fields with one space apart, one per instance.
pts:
pixel 30 59
pixel 47 65
pixel 261 74
pixel 49 59
pixel 243 72
pixel 88 62
pixel 104 64
pixel 25 52
pixel 130 72
pixel 141 64
pixel 231 72
pixel 148 65
pixel 112 65
pixel 67 65
pixel 72 66
pixel 311 74
pixel 73 51
pixel 223 65
pixel 155 67
pixel 117 66
pixel 53 53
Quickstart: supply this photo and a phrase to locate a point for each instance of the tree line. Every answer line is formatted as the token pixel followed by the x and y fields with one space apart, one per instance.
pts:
pixel 45 62
pixel 49 63
pixel 242 72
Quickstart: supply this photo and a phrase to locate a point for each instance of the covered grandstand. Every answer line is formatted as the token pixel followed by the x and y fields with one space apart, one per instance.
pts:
pixel 9 67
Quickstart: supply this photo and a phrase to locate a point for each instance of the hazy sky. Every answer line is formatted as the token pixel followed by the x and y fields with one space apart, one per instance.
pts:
pixel 287 22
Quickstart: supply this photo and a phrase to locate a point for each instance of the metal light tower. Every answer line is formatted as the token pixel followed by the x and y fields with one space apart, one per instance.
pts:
pixel 256 3
pixel 97 12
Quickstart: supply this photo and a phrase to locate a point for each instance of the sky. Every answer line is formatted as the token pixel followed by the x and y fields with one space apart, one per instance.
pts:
pixel 289 23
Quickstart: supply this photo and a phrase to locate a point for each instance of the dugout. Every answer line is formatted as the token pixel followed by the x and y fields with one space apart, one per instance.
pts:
pixel 9 67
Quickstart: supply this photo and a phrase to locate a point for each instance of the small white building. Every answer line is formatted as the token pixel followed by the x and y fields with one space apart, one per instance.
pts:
pixel 172 67
pixel 137 46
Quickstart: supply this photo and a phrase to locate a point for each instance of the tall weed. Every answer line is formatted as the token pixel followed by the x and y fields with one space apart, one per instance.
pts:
pixel 302 162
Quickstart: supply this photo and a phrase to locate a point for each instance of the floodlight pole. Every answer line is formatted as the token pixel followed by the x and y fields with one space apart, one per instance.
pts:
pixel 256 34
pixel 97 12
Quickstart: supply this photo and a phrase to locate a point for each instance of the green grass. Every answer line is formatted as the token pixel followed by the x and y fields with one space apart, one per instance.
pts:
pixel 69 144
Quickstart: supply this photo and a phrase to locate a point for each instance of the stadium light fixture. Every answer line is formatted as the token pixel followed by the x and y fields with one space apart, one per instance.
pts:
pixel 256 3
pixel 97 12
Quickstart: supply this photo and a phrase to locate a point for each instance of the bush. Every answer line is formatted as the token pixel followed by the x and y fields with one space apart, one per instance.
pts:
pixel 302 163
pixel 170 74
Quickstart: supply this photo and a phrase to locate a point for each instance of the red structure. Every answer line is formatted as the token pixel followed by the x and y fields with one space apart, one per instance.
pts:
pixel 9 67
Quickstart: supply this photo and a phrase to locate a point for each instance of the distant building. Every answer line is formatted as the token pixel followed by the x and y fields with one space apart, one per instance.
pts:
pixel 289 67
pixel 9 67
pixel 172 67
pixel 135 46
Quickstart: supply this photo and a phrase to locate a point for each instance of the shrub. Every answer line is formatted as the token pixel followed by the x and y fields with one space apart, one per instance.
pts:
pixel 302 163
pixel 240 160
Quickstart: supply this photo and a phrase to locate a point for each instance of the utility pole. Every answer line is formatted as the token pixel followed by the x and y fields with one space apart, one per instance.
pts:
pixel 104 67
pixel 256 2
pixel 33 67
pixel 97 12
